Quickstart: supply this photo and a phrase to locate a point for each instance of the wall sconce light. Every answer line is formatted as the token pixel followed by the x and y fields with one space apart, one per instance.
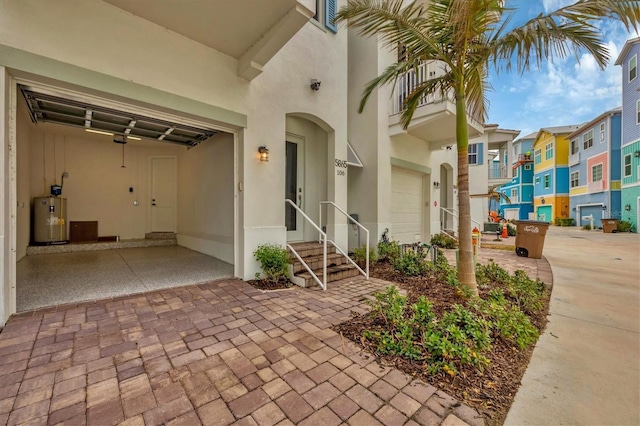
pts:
pixel 604 207
pixel 574 209
pixel 627 207
pixel 263 151
pixel 449 147
pixel 436 184
pixel 315 84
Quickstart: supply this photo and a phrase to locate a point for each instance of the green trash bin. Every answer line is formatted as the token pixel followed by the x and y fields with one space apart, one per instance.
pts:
pixel 530 238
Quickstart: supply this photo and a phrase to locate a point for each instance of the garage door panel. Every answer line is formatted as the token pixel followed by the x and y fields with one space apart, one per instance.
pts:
pixel 406 205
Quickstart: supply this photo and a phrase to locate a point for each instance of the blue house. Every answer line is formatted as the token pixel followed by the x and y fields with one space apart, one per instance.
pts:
pixel 630 147
pixel 594 169
pixel 520 189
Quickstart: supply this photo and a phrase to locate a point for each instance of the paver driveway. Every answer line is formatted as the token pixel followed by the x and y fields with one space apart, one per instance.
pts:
pixel 217 353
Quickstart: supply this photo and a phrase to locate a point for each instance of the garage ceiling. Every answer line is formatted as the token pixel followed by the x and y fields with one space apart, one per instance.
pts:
pixel 53 109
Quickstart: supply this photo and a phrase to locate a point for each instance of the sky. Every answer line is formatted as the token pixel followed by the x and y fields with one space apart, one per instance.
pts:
pixel 561 92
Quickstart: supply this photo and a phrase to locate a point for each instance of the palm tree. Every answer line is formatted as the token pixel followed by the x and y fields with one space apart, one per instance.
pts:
pixel 467 37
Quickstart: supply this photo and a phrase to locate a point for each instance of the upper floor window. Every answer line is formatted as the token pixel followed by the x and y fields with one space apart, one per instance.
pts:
pixel 602 132
pixel 587 139
pixel 537 156
pixel 596 173
pixel 514 195
pixel 547 181
pixel 515 172
pixel 548 151
pixel 574 146
pixel 574 179
pixel 326 14
pixel 633 67
pixel 473 153
pixel 638 112
pixel 527 166
pixel 627 165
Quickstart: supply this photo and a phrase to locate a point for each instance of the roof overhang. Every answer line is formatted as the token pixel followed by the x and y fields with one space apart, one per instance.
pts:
pixel 251 31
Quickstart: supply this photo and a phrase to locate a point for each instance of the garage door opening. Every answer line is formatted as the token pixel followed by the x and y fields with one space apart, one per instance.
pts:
pixel 156 191
pixel 409 201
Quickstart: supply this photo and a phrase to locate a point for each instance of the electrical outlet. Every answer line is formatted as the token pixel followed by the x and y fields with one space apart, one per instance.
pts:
pixel 131 189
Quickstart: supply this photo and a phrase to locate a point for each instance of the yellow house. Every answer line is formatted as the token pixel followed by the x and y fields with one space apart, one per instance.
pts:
pixel 551 173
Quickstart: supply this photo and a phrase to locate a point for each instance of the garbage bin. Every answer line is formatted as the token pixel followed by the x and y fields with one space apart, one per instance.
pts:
pixel 530 238
pixel 609 226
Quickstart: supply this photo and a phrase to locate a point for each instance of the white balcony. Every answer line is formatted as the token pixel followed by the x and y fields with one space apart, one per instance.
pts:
pixel 251 31
pixel 435 117
pixel 597 186
pixel 574 159
pixel 499 172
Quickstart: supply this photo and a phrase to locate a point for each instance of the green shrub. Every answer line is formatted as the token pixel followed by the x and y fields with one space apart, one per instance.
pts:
pixel 444 241
pixel 586 227
pixel 626 226
pixel 359 255
pixel 388 250
pixel 274 261
pixel 411 263
pixel 511 230
pixel 565 221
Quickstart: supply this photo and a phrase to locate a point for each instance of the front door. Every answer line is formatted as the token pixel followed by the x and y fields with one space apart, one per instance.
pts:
pixel 163 194
pixel 294 184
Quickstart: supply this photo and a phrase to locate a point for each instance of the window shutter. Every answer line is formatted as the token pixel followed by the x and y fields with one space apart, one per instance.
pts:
pixel 480 153
pixel 330 7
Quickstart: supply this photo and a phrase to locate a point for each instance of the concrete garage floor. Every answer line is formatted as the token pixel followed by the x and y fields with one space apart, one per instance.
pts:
pixel 60 278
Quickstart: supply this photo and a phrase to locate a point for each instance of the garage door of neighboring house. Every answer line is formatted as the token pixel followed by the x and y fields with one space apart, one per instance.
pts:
pixel 406 205
pixel 543 213
pixel 596 211
pixel 512 214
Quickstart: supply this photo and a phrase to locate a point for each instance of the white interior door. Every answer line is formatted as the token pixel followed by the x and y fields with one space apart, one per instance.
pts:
pixel 294 189
pixel 164 191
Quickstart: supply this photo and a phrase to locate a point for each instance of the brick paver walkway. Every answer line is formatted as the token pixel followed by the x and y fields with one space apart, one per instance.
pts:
pixel 214 354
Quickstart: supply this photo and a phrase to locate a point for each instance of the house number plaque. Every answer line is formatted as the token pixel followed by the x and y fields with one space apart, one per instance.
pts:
pixel 341 166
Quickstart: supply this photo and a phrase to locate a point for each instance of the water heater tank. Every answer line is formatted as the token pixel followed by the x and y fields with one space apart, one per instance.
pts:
pixel 50 220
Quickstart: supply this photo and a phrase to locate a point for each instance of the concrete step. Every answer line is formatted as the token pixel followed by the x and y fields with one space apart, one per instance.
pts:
pixel 334 273
pixel 160 236
pixel 315 262
pixel 307 249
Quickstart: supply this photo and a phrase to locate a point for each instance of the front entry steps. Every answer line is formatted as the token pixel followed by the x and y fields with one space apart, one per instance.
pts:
pixel 338 267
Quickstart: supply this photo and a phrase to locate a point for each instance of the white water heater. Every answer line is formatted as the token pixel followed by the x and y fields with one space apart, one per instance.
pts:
pixel 50 220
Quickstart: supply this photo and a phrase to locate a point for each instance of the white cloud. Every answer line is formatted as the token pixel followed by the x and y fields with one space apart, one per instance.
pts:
pixel 551 5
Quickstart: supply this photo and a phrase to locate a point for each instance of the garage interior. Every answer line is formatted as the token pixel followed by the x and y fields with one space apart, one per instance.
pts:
pixel 114 199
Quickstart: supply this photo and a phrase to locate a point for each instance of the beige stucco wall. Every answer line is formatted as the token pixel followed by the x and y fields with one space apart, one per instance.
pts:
pixel 206 197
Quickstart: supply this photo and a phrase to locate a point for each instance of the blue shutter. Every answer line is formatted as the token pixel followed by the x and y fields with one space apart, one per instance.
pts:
pixel 330 15
pixel 480 147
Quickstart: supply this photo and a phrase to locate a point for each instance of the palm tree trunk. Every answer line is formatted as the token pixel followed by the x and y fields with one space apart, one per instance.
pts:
pixel 466 268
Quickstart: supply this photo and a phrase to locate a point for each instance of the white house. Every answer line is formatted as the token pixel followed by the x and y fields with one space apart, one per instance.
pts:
pixel 198 90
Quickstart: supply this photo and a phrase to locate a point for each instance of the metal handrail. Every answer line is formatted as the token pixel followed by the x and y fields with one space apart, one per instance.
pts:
pixel 455 214
pixel 323 236
pixel 366 274
pixel 339 250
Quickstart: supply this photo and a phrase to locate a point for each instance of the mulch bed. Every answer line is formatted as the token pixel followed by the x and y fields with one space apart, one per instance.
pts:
pixel 490 392
pixel 264 284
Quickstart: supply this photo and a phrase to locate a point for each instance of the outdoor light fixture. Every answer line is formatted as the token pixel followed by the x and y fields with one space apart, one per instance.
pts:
pixel 436 184
pixel 627 207
pixel 315 84
pixel 637 153
pixel 263 151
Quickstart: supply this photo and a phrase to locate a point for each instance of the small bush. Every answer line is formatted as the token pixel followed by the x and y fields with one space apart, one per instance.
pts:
pixel 274 261
pixel 586 227
pixel 444 241
pixel 565 221
pixel 360 255
pixel 388 250
pixel 626 226
pixel 411 263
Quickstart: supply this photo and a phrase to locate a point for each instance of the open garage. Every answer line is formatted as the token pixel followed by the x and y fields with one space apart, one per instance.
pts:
pixel 153 189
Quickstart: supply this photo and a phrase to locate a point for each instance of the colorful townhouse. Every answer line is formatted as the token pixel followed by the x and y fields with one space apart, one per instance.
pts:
pixel 630 147
pixel 551 173
pixel 520 188
pixel 594 169
pixel 226 129
pixel 489 156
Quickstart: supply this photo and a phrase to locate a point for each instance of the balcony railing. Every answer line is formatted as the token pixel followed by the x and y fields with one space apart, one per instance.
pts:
pixel 597 186
pixel 408 83
pixel 574 159
pixel 499 172
pixel 523 158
